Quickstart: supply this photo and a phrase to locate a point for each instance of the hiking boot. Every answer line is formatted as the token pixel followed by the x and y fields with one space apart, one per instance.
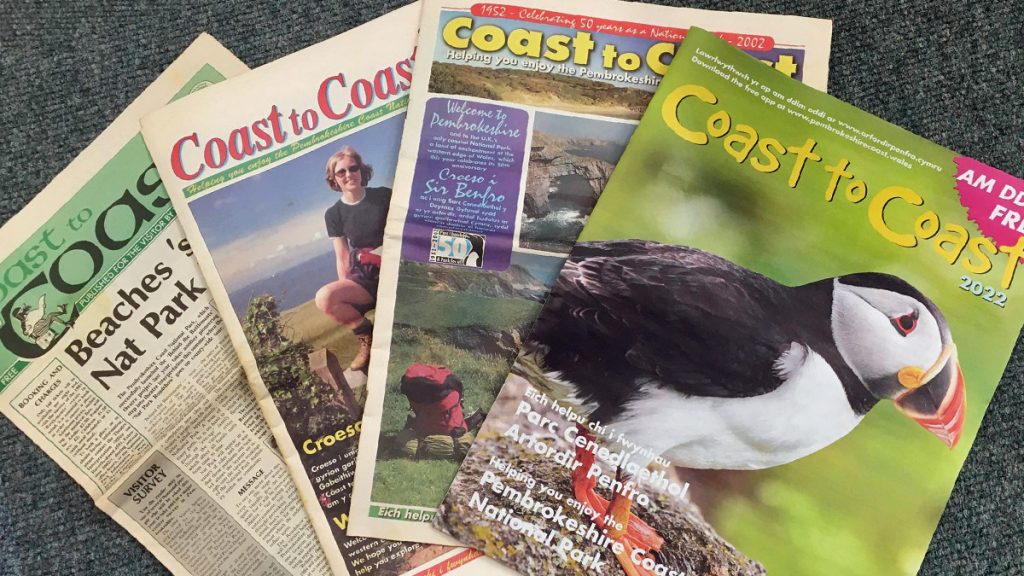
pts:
pixel 362 360
pixel 476 419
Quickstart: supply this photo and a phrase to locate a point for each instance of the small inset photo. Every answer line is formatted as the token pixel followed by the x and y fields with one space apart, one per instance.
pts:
pixel 571 159
pixel 452 247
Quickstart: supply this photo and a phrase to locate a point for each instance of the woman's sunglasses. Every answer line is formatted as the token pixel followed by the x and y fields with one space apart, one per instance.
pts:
pixel 350 170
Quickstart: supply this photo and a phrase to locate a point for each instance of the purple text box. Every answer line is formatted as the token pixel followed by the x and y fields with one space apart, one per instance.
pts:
pixel 468 172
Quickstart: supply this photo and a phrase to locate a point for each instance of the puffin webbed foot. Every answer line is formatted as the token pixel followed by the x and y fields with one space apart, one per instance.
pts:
pixel 615 516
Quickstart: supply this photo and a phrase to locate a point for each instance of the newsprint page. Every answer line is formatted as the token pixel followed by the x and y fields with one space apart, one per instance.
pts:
pixel 282 178
pixel 517 117
pixel 114 360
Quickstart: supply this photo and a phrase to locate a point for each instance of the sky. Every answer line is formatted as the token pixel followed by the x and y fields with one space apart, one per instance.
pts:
pixel 543 268
pixel 274 220
pixel 576 127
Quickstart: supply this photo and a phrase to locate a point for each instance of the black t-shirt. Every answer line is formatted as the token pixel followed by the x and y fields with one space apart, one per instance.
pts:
pixel 361 223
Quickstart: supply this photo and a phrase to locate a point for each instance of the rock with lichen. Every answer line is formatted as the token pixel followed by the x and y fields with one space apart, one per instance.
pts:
pixel 551 158
pixel 691 547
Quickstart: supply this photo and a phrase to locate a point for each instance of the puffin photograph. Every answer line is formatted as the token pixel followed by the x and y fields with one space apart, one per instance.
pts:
pixel 713 366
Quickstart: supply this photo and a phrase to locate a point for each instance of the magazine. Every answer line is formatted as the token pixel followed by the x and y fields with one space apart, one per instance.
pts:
pixel 252 166
pixel 771 349
pixel 517 116
pixel 114 360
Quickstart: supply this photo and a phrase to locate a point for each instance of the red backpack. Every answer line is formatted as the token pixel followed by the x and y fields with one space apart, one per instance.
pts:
pixel 435 395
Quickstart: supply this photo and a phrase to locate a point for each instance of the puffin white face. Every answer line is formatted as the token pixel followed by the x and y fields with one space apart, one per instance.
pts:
pixel 901 350
pixel 880 332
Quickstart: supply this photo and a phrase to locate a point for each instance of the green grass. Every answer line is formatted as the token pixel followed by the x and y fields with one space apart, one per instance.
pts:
pixel 398 480
pixel 413 482
pixel 481 374
pixel 432 309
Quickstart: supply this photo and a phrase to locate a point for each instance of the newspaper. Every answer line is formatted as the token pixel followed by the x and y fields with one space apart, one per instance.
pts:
pixel 114 360
pixel 770 351
pixel 518 114
pixel 245 165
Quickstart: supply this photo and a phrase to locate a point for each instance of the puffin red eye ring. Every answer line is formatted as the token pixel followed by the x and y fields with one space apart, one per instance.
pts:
pixel 905 324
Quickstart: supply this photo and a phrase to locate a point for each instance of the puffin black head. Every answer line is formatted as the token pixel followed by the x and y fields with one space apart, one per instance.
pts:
pixel 898 343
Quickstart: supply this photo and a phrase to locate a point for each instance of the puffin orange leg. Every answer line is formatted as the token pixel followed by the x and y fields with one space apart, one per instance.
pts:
pixel 639 532
pixel 621 524
pixel 583 487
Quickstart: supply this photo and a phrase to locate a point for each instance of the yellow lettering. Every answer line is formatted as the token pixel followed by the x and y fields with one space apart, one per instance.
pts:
pixel 341 521
pixel 629 62
pixel 558 48
pixel 786 65
pixel 956 236
pixel 765 146
pixel 581 46
pixel 803 154
pixel 838 172
pixel 856 191
pixel 489 38
pixel 1016 253
pixel 927 225
pixel 525 42
pixel 670 111
pixel 977 247
pixel 744 135
pixel 451 32
pixel 656 57
pixel 719 124
pixel 876 214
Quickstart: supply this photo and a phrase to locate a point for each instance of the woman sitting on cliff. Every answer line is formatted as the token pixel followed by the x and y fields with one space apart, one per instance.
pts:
pixel 355 224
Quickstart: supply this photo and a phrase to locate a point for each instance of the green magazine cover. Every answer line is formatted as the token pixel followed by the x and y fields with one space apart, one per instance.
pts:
pixel 770 352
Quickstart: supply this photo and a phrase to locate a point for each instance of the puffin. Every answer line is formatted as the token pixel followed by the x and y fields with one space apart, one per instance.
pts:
pixel 714 366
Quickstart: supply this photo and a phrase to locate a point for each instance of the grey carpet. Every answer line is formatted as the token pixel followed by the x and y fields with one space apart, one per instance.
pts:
pixel 952 73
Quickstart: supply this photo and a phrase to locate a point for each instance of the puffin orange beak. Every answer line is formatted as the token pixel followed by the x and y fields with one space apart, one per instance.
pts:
pixel 940 404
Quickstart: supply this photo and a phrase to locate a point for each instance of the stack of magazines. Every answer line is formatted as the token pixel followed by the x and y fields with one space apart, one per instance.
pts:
pixel 544 288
